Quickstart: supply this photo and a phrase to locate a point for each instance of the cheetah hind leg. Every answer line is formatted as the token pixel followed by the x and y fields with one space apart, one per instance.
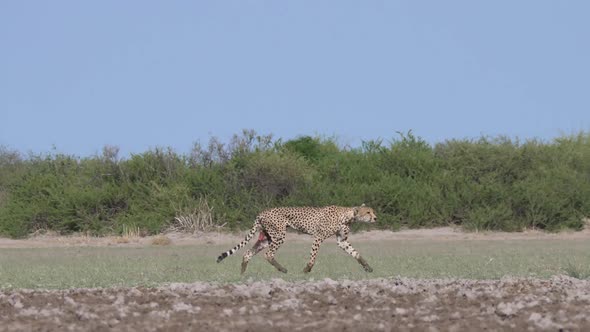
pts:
pixel 263 242
pixel 271 259
pixel 277 265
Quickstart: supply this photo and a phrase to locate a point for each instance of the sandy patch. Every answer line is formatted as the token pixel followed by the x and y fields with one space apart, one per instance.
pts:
pixel 434 234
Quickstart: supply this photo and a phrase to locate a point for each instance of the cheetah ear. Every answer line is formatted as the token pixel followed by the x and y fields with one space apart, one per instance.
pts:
pixel 363 204
pixel 356 210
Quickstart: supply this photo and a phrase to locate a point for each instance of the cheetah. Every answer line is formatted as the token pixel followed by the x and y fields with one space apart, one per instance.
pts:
pixel 320 222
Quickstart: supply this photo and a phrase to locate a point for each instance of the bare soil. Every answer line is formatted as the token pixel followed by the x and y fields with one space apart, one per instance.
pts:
pixel 435 234
pixel 401 304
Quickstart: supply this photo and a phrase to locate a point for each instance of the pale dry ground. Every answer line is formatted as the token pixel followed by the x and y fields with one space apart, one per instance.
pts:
pixel 217 238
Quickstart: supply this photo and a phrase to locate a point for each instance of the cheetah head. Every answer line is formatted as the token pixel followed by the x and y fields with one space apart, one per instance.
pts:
pixel 364 214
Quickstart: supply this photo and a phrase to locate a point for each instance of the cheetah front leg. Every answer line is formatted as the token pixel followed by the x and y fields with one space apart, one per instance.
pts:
pixel 345 245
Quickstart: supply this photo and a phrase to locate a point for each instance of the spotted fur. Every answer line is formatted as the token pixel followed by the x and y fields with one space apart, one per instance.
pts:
pixel 320 222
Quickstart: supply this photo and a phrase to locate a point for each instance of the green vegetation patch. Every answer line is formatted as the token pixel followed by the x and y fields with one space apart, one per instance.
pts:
pixel 128 266
pixel 484 184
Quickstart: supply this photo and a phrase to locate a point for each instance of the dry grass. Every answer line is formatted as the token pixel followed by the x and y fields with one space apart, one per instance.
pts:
pixel 120 240
pixel 576 269
pixel 199 219
pixel 161 240
pixel 129 234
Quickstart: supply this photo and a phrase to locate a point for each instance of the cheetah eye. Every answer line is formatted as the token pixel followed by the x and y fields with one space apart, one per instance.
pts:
pixel 368 212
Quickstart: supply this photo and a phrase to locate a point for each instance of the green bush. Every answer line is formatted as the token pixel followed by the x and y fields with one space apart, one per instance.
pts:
pixel 484 184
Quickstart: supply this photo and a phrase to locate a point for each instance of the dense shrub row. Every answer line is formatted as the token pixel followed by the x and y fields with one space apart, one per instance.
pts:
pixel 499 183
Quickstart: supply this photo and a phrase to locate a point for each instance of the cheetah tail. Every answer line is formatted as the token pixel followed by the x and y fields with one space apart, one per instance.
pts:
pixel 241 244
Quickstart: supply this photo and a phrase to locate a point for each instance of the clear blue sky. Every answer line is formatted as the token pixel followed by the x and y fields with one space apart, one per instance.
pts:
pixel 138 74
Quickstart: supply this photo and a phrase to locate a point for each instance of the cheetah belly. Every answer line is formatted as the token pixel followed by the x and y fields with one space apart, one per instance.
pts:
pixel 305 227
pixel 312 225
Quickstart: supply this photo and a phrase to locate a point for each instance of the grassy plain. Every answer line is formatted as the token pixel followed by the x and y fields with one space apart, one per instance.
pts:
pixel 106 266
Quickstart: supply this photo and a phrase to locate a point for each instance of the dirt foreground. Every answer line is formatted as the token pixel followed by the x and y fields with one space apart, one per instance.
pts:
pixel 328 305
